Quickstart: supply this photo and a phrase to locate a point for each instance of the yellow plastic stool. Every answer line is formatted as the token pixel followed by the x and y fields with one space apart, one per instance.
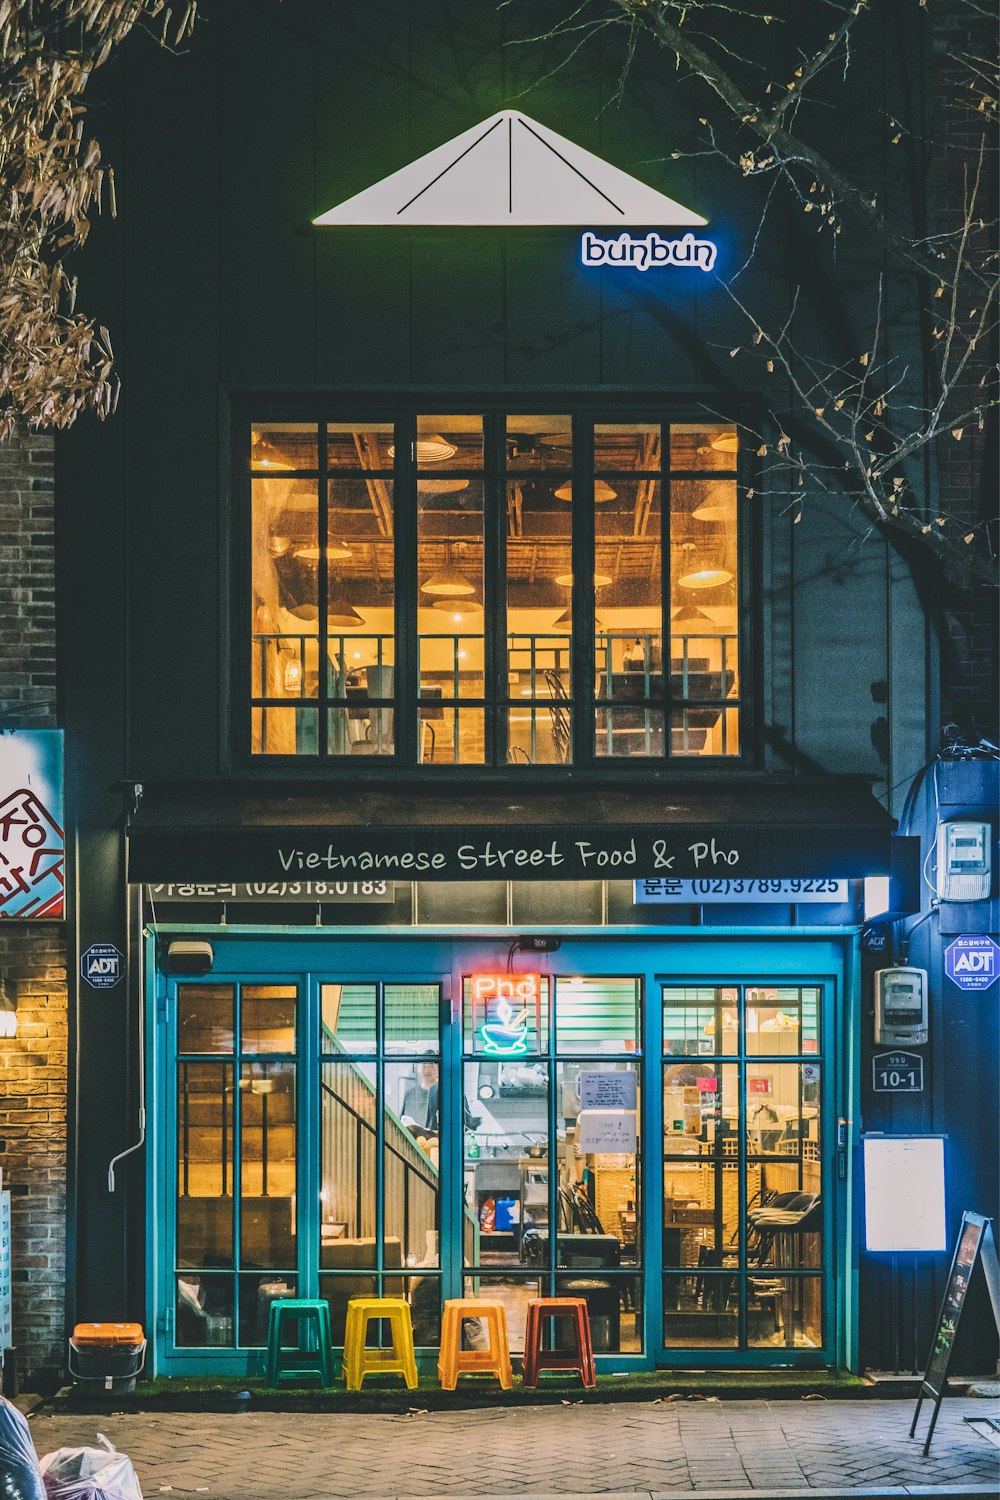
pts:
pixel 456 1361
pixel 360 1361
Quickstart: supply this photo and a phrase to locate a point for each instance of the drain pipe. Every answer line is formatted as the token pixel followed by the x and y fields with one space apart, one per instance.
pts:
pixel 130 1150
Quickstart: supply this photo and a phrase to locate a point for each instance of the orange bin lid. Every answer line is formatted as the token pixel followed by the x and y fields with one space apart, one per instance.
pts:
pixel 106 1335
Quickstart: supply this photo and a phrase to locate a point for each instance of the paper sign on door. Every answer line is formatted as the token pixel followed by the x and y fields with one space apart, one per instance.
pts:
pixel 604 1131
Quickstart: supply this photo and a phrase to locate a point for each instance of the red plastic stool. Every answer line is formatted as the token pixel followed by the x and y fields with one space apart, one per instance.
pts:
pixel 537 1359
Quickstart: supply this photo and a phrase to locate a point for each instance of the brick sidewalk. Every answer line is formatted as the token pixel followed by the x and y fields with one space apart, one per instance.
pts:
pixel 629 1449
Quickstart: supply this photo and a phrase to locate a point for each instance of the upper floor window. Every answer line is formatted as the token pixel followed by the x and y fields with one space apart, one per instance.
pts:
pixel 484 589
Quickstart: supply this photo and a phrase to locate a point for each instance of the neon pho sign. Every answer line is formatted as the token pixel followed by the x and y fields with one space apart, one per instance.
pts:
pixel 505 1007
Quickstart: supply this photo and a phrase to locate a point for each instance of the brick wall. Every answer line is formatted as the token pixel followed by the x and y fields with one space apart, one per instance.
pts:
pixel 32 956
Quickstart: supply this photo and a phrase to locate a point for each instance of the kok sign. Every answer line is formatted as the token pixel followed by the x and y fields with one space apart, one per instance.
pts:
pixel 101 966
pixel 971 962
pixel 506 1007
pixel 32 853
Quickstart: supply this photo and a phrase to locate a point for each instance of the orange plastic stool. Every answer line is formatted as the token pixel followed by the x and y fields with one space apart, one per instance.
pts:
pixel 455 1361
pixel 537 1359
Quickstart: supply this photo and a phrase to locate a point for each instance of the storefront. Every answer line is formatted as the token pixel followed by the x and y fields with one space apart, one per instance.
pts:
pixel 428 1113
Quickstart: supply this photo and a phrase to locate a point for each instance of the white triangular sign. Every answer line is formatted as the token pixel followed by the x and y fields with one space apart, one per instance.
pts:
pixel 510 170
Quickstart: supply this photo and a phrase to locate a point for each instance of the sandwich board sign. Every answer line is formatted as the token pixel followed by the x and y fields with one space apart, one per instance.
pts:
pixel 975 1243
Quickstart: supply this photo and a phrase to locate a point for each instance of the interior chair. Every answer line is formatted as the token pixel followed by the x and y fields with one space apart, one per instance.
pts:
pixel 559 712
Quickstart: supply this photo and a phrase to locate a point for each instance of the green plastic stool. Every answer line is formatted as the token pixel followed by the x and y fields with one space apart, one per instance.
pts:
pixel 312 1322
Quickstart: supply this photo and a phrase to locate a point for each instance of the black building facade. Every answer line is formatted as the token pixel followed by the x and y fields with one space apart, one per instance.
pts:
pixel 433 593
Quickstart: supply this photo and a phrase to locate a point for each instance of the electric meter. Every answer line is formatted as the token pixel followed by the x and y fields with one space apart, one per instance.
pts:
pixel 963 861
pixel 901 1006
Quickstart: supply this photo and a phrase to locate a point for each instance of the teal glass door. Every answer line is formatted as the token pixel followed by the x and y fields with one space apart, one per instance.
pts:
pixel 746 1174
pixel 233 1114
pixel 551 1160
pixel 380 1118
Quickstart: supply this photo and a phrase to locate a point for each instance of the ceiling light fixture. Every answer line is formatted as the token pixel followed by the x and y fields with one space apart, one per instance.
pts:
pixel 431 449
pixel 449 583
pixel 710 511
pixel 726 442
pixel 311 551
pixel 264 455
pixel 459 607
pixel 564 622
pixel 602 491
pixel 691 621
pixel 601 580
pixel 704 578
pixel 441 486
pixel 343 613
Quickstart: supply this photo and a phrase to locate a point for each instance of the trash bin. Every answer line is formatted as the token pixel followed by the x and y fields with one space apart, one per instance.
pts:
pixel 107 1356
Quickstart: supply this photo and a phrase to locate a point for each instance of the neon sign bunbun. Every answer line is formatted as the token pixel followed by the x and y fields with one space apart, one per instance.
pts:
pixel 648 253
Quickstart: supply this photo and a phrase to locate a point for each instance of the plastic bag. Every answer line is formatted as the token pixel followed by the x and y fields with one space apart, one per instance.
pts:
pixel 20 1476
pixel 90 1474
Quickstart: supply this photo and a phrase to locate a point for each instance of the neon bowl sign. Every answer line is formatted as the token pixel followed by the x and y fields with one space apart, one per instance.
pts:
pixel 508 1003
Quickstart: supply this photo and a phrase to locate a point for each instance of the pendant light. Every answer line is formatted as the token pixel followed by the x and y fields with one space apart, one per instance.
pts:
pixel 601 580
pixel 718 504
pixel 450 582
pixel 311 551
pixel 264 455
pixel 602 491
pixel 723 442
pixel 708 577
pixel 458 608
pixel 432 448
pixel 564 622
pixel 441 486
pixel 343 613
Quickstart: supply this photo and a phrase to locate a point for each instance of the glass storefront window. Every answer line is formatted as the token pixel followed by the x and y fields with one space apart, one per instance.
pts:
pixel 348 1017
pixel 237 1155
pixel 553 1186
pixel 506 1130
pixel 742 1176
pixel 539 590
pixel 502 505
pixel 450 590
pixel 347 1165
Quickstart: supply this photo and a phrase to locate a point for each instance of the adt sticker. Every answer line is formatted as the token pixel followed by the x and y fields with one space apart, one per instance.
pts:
pixel 102 966
pixel 971 962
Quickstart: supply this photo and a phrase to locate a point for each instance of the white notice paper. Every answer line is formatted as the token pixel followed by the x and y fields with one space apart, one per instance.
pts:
pixel 607 1089
pixel 904 1193
pixel 603 1131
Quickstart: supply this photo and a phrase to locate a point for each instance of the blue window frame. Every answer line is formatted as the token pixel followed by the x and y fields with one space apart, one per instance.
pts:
pixel 321 1131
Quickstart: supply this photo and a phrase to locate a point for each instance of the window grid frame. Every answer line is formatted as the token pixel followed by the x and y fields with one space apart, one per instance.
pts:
pixel 585 411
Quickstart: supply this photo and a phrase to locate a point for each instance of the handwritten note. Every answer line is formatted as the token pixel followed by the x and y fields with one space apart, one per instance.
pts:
pixel 607 1089
pixel 601 1132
